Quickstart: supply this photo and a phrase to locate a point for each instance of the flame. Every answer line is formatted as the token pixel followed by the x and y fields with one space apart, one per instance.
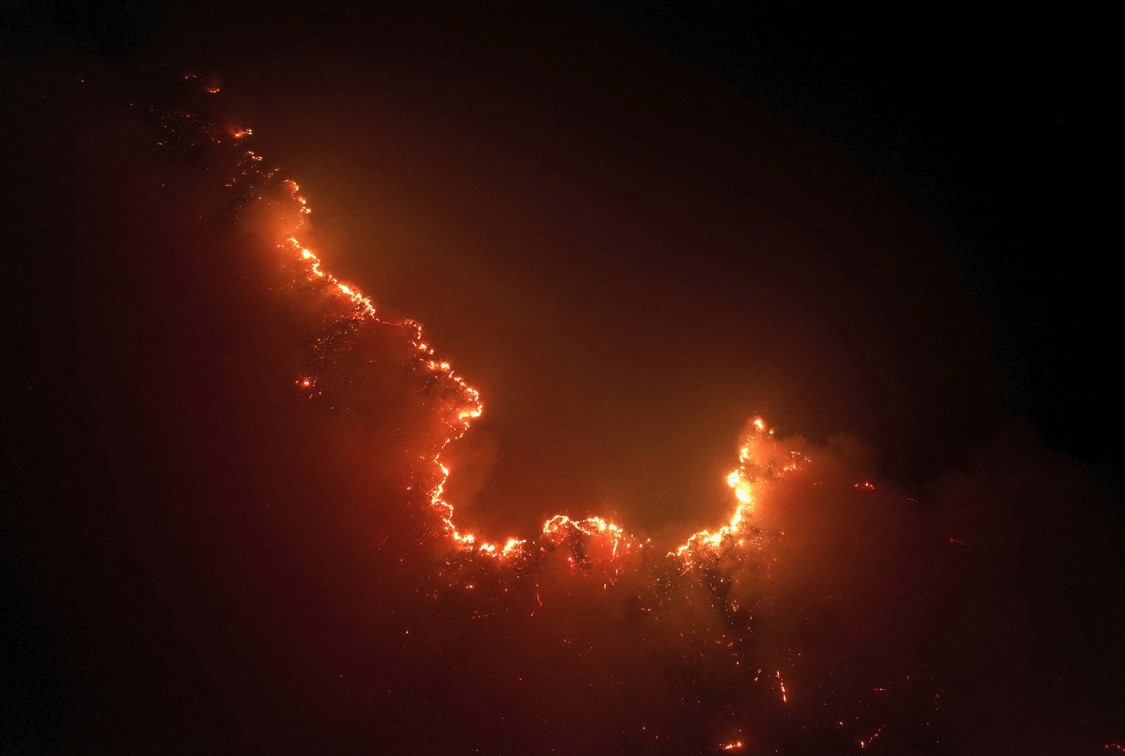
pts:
pixel 870 740
pixel 761 460
pixel 557 529
pixel 253 181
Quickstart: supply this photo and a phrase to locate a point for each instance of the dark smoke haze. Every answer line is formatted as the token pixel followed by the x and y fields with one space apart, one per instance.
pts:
pixel 628 259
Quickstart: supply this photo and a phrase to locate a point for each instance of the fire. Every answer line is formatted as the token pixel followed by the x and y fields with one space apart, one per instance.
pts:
pixel 556 530
pixel 741 481
pixel 870 740
pixel 592 545
pixel 758 461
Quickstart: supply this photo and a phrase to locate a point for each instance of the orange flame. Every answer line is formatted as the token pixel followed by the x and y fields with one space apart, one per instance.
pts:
pixel 742 480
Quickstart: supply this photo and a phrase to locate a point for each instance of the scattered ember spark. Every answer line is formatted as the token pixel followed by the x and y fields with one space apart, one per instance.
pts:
pixel 487 568
pixel 873 737
pixel 759 459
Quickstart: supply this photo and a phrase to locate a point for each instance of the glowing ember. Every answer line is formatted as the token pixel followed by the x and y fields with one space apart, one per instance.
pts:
pixel 759 460
pixel 697 572
pixel 781 687
pixel 870 740
pixel 558 528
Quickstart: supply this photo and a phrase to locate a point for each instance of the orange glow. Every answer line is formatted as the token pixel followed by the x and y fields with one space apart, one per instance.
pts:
pixel 555 529
pixel 872 738
pixel 741 481
pixel 757 456
pixel 774 569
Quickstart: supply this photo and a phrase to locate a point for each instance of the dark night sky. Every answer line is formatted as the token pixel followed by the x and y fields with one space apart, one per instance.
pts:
pixel 632 227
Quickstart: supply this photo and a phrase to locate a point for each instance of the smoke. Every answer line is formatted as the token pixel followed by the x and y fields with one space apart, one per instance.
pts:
pixel 272 448
pixel 627 274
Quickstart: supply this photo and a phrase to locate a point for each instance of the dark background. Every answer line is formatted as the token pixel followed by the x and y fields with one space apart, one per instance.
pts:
pixel 979 292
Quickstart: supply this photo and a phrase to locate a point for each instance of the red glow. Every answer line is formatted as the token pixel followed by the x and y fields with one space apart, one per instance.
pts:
pixel 705 593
